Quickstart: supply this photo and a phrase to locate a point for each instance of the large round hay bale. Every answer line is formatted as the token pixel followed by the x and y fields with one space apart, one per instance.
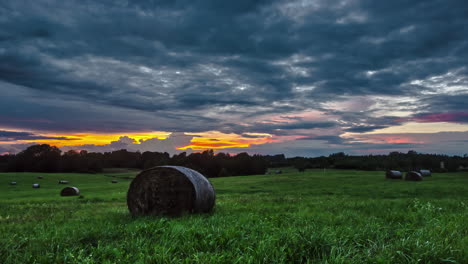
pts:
pixel 393 174
pixel 170 190
pixel 413 176
pixel 63 182
pixel 70 191
pixel 425 173
pixel 36 185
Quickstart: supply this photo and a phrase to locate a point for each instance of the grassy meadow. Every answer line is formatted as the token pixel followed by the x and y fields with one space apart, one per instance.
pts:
pixel 333 216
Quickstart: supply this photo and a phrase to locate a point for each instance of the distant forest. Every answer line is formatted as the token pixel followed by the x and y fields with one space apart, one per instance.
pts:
pixel 46 158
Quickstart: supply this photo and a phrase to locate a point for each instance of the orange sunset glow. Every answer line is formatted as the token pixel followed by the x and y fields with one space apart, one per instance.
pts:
pixel 95 139
pixel 199 142
pixel 218 140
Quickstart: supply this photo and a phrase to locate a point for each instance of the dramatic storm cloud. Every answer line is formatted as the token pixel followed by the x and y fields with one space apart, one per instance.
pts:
pixel 302 77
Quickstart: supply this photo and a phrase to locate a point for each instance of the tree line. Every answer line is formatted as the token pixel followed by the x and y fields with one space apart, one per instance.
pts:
pixel 46 158
pixel 393 161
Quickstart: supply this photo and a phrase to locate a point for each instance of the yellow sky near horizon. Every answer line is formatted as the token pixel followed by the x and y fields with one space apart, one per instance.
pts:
pixel 79 139
pixel 200 141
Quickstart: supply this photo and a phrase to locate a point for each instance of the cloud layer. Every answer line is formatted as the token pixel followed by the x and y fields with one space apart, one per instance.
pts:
pixel 289 69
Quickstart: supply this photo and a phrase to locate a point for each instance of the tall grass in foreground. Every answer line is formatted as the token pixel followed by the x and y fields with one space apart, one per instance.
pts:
pixel 311 217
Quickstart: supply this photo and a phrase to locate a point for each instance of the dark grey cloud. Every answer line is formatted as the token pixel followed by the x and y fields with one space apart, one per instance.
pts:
pixel 329 139
pixel 278 128
pixel 447 103
pixel 246 38
pixel 205 65
pixel 252 136
pixel 362 129
pixel 14 136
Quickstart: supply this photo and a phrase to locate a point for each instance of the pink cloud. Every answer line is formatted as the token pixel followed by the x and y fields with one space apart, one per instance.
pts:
pixel 455 117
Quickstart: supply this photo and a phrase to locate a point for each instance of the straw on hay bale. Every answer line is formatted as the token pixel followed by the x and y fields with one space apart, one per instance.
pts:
pixel 425 173
pixel 170 190
pixel 36 185
pixel 393 174
pixel 13 183
pixel 413 176
pixel 114 181
pixel 63 182
pixel 70 191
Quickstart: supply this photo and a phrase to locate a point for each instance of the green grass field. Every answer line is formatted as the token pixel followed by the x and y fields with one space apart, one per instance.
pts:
pixel 311 217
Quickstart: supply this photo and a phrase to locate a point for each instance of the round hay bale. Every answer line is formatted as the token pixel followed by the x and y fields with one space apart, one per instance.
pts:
pixel 36 185
pixel 114 181
pixel 413 176
pixel 13 183
pixel 393 174
pixel 425 173
pixel 170 190
pixel 70 191
pixel 63 182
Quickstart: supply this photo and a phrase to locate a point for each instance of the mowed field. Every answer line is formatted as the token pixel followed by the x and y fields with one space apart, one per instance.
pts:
pixel 333 216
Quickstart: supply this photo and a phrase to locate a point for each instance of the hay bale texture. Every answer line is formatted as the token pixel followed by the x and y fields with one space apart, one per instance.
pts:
pixel 36 185
pixel 413 176
pixel 170 190
pixel 70 191
pixel 393 174
pixel 425 173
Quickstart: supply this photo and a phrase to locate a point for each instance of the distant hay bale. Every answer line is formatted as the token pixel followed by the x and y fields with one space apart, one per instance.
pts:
pixel 413 176
pixel 36 185
pixel 40 177
pixel 425 173
pixel 13 183
pixel 63 182
pixel 114 181
pixel 170 190
pixel 70 191
pixel 393 174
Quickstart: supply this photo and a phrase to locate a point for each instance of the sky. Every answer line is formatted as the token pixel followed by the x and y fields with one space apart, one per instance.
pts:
pixel 298 77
